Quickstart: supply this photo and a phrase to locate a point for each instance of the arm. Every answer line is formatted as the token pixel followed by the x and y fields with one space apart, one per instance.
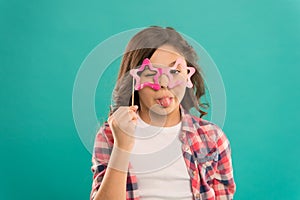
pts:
pixel 110 166
pixel 113 185
pixel 223 183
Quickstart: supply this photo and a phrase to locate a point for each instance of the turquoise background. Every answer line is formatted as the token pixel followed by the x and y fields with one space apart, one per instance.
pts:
pixel 255 45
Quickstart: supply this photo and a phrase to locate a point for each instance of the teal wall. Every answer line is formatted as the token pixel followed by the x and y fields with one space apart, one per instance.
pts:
pixel 255 45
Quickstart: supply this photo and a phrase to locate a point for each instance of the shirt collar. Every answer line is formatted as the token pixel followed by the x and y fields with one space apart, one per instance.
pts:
pixel 188 122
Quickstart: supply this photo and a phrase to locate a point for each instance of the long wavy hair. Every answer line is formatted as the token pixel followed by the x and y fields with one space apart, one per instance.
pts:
pixel 142 46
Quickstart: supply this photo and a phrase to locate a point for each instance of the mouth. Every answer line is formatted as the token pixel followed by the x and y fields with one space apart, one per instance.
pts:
pixel 164 101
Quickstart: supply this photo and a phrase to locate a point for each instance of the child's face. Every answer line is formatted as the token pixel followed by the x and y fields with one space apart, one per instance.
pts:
pixel 164 100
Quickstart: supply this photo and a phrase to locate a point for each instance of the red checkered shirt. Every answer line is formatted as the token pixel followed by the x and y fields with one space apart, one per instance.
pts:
pixel 206 151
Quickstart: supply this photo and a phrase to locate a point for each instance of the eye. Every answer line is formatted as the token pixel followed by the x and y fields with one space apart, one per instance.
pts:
pixel 174 71
pixel 150 74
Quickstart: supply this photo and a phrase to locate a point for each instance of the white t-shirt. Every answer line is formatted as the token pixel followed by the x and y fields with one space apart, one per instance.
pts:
pixel 158 163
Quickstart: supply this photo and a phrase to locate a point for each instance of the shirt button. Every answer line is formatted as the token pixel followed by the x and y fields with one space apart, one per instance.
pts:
pixel 194 173
pixel 197 196
pixel 186 147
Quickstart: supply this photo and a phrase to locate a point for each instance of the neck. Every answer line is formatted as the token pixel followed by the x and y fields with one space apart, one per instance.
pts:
pixel 155 119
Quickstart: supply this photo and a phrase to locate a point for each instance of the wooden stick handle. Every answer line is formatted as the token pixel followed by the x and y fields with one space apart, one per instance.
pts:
pixel 132 95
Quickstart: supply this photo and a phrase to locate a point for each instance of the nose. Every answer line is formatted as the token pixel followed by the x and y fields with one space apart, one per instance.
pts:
pixel 163 81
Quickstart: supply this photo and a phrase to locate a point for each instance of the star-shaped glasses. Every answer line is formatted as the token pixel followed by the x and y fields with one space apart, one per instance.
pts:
pixel 148 75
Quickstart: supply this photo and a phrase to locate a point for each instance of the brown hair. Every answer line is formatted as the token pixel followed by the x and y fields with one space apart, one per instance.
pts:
pixel 142 46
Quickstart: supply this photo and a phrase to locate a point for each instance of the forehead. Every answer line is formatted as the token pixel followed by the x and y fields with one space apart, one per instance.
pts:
pixel 165 55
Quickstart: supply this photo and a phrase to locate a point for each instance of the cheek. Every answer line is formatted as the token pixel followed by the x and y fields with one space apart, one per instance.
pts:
pixel 145 94
pixel 179 92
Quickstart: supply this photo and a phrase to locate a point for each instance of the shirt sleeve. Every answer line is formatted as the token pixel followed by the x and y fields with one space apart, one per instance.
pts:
pixel 100 158
pixel 223 182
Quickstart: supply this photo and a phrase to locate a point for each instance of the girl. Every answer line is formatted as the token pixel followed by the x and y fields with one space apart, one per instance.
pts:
pixel 151 147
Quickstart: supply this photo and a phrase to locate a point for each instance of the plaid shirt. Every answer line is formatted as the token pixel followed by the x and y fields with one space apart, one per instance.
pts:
pixel 206 151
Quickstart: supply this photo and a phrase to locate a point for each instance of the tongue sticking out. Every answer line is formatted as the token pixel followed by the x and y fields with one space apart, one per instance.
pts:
pixel 164 102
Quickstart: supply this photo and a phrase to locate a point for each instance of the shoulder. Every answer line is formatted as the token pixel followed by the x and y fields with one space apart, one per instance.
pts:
pixel 104 134
pixel 206 130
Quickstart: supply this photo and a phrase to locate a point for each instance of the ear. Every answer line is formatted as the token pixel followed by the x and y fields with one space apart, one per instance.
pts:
pixel 189 83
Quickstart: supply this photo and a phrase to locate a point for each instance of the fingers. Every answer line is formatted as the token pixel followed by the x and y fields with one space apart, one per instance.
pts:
pixel 132 112
pixel 134 108
pixel 125 114
pixel 124 118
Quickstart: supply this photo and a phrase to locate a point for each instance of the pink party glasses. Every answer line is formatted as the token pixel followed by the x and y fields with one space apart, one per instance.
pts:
pixel 148 75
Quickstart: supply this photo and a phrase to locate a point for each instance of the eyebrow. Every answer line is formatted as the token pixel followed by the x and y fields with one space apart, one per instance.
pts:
pixel 172 63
